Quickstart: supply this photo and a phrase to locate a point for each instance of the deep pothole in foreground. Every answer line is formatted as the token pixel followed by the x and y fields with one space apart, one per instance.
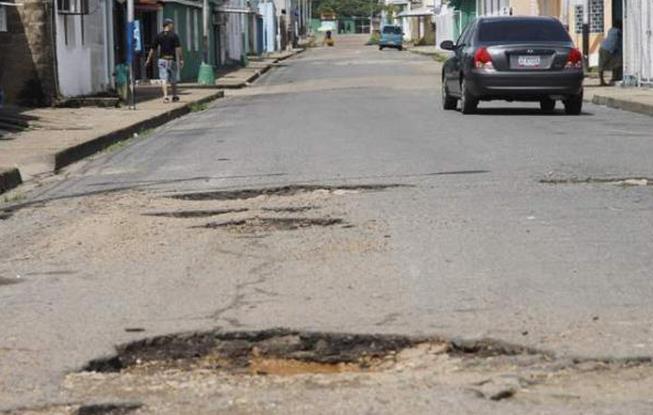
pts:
pixel 285 352
pixel 277 351
pixel 258 360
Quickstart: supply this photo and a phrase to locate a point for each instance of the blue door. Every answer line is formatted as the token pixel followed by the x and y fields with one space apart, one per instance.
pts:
pixel 259 35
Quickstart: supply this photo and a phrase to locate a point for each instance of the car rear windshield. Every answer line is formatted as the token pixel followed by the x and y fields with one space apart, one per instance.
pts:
pixel 392 30
pixel 522 30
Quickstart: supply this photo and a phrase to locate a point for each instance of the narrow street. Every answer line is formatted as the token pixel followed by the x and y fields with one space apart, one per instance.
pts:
pixel 335 195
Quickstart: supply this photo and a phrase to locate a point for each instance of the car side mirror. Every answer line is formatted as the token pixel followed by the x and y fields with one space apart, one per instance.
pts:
pixel 447 45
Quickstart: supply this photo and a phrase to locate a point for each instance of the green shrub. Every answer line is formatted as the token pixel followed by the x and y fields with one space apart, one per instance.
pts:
pixel 374 39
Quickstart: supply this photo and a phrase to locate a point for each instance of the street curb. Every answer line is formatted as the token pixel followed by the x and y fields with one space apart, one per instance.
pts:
pixel 80 151
pixel 438 56
pixel 242 83
pixel 257 74
pixel 295 52
pixel 9 179
pixel 623 104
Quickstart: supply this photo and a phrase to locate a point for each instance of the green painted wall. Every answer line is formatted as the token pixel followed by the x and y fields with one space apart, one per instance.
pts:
pixel 192 52
pixel 315 24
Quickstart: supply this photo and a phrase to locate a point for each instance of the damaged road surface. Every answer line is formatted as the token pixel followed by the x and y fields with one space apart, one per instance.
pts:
pixel 294 372
pixel 417 262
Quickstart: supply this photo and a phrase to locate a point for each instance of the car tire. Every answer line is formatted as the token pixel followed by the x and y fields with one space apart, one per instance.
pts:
pixel 468 102
pixel 400 48
pixel 547 105
pixel 380 47
pixel 574 104
pixel 448 102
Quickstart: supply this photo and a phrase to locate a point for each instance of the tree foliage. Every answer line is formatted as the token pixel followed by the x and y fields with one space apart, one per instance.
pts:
pixel 347 8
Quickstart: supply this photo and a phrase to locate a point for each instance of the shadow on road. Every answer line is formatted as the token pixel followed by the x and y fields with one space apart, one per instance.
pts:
pixel 526 112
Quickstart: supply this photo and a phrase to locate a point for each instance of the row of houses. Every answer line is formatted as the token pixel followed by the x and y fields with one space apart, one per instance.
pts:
pixel 51 50
pixel 451 16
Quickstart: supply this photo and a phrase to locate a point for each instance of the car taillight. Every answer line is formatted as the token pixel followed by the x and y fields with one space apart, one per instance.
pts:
pixel 483 59
pixel 574 59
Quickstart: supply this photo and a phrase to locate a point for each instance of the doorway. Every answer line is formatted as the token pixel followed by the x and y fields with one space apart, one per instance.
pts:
pixel 148 17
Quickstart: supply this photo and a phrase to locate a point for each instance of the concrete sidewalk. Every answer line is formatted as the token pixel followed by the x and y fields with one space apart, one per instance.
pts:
pixel 638 100
pixel 57 137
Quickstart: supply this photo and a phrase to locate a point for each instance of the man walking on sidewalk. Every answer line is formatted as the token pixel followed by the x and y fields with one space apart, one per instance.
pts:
pixel 171 59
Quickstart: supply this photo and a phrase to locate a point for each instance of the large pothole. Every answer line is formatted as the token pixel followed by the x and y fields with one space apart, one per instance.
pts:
pixel 276 351
pixel 296 372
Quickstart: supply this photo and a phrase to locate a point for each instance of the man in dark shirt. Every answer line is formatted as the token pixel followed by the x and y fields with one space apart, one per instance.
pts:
pixel 171 59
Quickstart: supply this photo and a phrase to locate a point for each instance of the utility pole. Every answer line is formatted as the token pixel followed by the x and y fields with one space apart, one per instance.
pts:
pixel 130 53
pixel 205 21
pixel 206 75
pixel 586 33
pixel 310 12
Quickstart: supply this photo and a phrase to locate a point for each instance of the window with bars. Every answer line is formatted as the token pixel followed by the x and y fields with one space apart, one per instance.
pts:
pixel 596 20
pixel 596 16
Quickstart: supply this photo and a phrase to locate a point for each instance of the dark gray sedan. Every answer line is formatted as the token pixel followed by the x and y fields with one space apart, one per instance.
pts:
pixel 513 59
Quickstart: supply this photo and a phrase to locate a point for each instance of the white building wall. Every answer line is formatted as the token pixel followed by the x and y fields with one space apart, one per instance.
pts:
pixel 84 51
pixel 235 30
pixel 638 42
pixel 267 11
pixel 445 24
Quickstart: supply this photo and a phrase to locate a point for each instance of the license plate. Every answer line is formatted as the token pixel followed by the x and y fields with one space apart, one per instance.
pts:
pixel 529 61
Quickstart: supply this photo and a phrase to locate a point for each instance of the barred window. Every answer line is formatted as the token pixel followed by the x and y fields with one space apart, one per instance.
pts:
pixel 596 16
pixel 578 19
pixel 596 19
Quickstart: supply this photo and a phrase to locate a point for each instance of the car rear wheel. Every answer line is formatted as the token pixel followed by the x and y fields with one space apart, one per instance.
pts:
pixel 547 105
pixel 400 48
pixel 380 47
pixel 448 102
pixel 574 104
pixel 468 102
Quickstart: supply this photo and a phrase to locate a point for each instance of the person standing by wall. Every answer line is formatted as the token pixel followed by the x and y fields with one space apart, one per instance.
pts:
pixel 170 61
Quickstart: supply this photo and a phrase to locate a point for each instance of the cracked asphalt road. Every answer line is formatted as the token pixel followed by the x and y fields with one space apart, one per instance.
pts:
pixel 475 245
